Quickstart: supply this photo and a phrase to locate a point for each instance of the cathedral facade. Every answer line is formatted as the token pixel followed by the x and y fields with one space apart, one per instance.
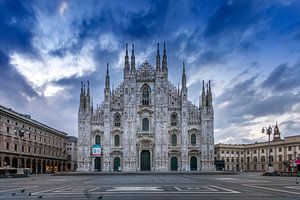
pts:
pixel 146 123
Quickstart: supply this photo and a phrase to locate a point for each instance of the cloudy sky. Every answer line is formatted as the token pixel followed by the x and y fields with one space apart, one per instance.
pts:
pixel 249 49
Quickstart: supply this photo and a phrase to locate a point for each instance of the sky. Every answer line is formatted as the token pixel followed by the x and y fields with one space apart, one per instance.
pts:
pixel 250 50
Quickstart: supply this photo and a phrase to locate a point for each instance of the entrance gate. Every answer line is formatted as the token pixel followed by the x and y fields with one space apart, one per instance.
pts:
pixel 193 163
pixel 116 163
pixel 145 160
pixel 174 164
pixel 97 164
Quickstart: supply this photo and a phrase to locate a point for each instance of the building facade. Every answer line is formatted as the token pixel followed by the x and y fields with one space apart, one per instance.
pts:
pixel 72 153
pixel 146 123
pixel 27 143
pixel 255 157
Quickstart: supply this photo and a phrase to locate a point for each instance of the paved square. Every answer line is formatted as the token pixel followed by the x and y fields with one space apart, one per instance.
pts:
pixel 177 186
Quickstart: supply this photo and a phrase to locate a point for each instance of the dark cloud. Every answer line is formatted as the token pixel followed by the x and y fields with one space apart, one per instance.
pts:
pixel 283 78
pixel 273 105
pixel 247 98
pixel 243 91
pixel 16 35
pixel 17 27
pixel 144 24
pixel 232 17
pixel 292 125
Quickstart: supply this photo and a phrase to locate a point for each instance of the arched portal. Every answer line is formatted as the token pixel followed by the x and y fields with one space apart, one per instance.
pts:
pixel 97 164
pixel 193 163
pixel 6 161
pixel 145 160
pixel 15 162
pixel 117 162
pixel 174 164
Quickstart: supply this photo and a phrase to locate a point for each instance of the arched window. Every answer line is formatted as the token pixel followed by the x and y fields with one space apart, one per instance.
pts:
pixel 193 139
pixel 174 119
pixel 145 124
pixel 117 140
pixel 97 139
pixel 145 95
pixel 117 119
pixel 174 139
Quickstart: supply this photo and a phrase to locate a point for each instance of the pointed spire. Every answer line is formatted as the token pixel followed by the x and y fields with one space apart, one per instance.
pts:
pixel 209 88
pixel 132 59
pixel 178 88
pixel 88 89
pixel 84 97
pixel 203 88
pixel 84 90
pixel 107 82
pixel 203 94
pixel 209 94
pixel 81 103
pixel 157 59
pixel 183 80
pixel 87 98
pixel 276 136
pixel 164 61
pixel 126 60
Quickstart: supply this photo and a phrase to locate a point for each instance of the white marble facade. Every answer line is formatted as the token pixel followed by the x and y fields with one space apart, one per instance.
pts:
pixel 146 123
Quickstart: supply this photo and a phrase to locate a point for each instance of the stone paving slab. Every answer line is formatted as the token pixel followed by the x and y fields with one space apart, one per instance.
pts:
pixel 145 173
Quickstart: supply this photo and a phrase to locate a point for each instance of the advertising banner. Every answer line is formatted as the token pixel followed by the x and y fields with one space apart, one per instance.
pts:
pixel 96 150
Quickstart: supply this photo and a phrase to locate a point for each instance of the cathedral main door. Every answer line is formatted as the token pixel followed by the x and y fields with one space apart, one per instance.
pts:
pixel 145 160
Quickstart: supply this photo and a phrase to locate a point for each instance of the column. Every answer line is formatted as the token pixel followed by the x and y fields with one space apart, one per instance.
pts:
pixel 1 161
pixel 10 161
pixel 93 165
pixel 42 167
pixel 36 167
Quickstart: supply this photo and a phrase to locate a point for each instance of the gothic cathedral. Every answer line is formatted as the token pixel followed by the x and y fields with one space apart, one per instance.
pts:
pixel 146 123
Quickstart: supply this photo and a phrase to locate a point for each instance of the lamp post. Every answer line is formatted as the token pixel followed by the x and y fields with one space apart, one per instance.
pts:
pixel 269 132
pixel 20 132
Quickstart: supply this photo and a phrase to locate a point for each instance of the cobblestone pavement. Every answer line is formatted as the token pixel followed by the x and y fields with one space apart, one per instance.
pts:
pixel 177 186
